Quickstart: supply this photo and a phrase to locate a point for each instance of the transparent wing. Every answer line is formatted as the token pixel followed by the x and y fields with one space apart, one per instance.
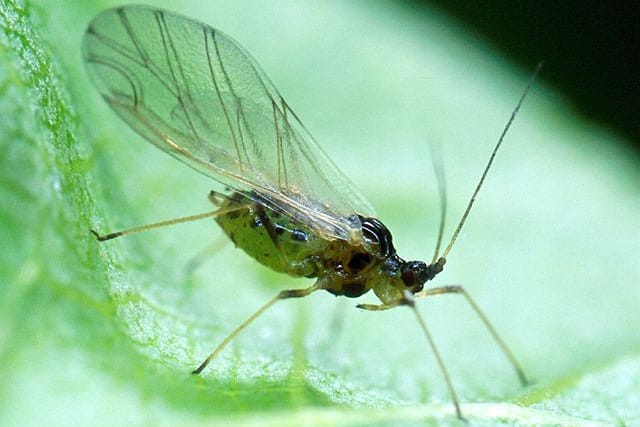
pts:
pixel 196 94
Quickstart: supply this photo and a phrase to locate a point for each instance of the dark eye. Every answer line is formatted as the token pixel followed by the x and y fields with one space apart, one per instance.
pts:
pixel 408 278
pixel 414 274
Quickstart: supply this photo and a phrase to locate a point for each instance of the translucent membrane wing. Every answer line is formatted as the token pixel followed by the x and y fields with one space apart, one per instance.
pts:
pixel 198 95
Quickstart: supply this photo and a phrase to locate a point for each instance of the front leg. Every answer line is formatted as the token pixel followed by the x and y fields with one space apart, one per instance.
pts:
pixel 406 299
pixel 376 307
pixel 286 294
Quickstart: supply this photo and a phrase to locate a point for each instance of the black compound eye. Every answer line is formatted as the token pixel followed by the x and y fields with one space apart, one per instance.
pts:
pixel 408 278
pixel 414 274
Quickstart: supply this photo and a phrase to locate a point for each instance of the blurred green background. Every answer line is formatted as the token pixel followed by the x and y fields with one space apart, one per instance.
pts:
pixel 107 334
pixel 591 50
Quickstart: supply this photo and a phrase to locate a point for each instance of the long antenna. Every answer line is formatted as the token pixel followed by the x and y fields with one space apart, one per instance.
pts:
pixel 438 170
pixel 454 237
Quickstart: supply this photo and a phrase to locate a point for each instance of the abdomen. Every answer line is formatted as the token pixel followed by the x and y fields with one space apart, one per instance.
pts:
pixel 271 238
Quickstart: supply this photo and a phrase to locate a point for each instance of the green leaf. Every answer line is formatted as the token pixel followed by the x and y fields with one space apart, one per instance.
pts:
pixel 107 334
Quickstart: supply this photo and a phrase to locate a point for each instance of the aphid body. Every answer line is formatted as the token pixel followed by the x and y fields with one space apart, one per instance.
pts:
pixel 343 268
pixel 196 94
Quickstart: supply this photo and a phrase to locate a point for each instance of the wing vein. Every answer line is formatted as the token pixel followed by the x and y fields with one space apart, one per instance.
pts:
pixel 196 94
pixel 219 94
pixel 238 101
pixel 164 35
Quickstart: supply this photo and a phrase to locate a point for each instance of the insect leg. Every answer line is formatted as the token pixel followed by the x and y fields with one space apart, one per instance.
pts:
pixel 336 324
pixel 410 302
pixel 216 198
pixel 492 330
pixel 205 254
pixel 290 293
pixel 376 307
pixel 214 213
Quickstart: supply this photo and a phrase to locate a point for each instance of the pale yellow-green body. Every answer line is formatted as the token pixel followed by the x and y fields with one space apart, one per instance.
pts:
pixel 288 246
